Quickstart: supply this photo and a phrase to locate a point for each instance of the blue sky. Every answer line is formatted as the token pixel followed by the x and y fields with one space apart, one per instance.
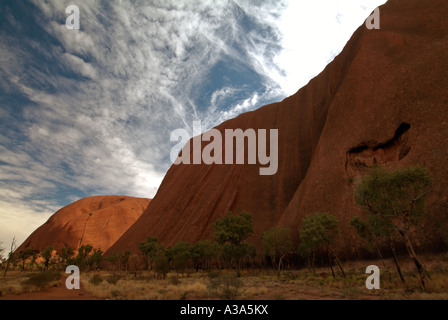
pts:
pixel 89 112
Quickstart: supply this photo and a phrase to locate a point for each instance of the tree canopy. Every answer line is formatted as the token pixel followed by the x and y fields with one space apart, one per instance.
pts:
pixel 234 229
pixel 318 230
pixel 397 197
pixel 231 232
pixel 318 233
pixel 395 202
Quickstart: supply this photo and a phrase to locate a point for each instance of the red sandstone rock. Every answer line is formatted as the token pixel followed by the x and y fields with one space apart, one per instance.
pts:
pixel 111 217
pixel 383 99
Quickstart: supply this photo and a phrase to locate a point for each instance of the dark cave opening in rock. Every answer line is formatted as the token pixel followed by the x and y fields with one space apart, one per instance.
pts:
pixel 402 129
pixel 367 154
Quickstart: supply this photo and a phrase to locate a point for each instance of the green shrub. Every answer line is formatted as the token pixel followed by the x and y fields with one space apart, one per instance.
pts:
pixel 351 292
pixel 231 232
pixel 213 275
pixel 96 280
pixel 174 280
pixel 227 287
pixel 162 265
pixel 290 276
pixel 115 293
pixel 112 280
pixel 184 296
pixel 42 279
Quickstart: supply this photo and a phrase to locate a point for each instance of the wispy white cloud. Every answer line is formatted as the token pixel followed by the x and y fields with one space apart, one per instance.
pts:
pixel 79 65
pixel 102 101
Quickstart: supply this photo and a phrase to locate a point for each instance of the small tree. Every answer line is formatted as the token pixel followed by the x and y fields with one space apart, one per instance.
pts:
pixel 150 249
pixel 180 254
pixel 318 233
pixel 370 230
pixel 11 255
pixel 204 252
pixel 97 257
pixel 67 256
pixel 162 265
pixel 233 232
pixel 124 259
pixel 82 259
pixel 94 259
pixel 114 260
pixel 25 254
pixel 46 255
pixel 34 258
pixel 365 232
pixel 277 245
pixel 397 199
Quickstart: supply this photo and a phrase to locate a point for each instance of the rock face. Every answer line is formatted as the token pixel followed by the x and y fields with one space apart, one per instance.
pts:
pixel 73 225
pixel 384 99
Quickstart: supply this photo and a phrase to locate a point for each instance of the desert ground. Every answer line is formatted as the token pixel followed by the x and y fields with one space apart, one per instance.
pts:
pixel 264 284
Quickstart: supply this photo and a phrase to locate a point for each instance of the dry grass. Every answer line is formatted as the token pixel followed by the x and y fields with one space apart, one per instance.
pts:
pixel 12 284
pixel 262 285
pixel 147 288
pixel 17 282
pixel 294 285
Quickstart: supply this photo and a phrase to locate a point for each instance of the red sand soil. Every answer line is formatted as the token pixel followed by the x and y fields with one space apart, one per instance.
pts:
pixel 111 217
pixel 383 99
pixel 55 293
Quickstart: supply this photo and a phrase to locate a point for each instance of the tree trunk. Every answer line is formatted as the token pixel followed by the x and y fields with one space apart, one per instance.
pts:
pixel 424 276
pixel 338 262
pixel 331 264
pixel 6 268
pixel 312 263
pixel 11 252
pixel 381 256
pixel 394 253
pixel 274 263
pixel 280 263
pixel 238 270
pixel 384 263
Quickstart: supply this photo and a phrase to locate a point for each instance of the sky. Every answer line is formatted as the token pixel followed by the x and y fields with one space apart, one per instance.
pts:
pixel 89 112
